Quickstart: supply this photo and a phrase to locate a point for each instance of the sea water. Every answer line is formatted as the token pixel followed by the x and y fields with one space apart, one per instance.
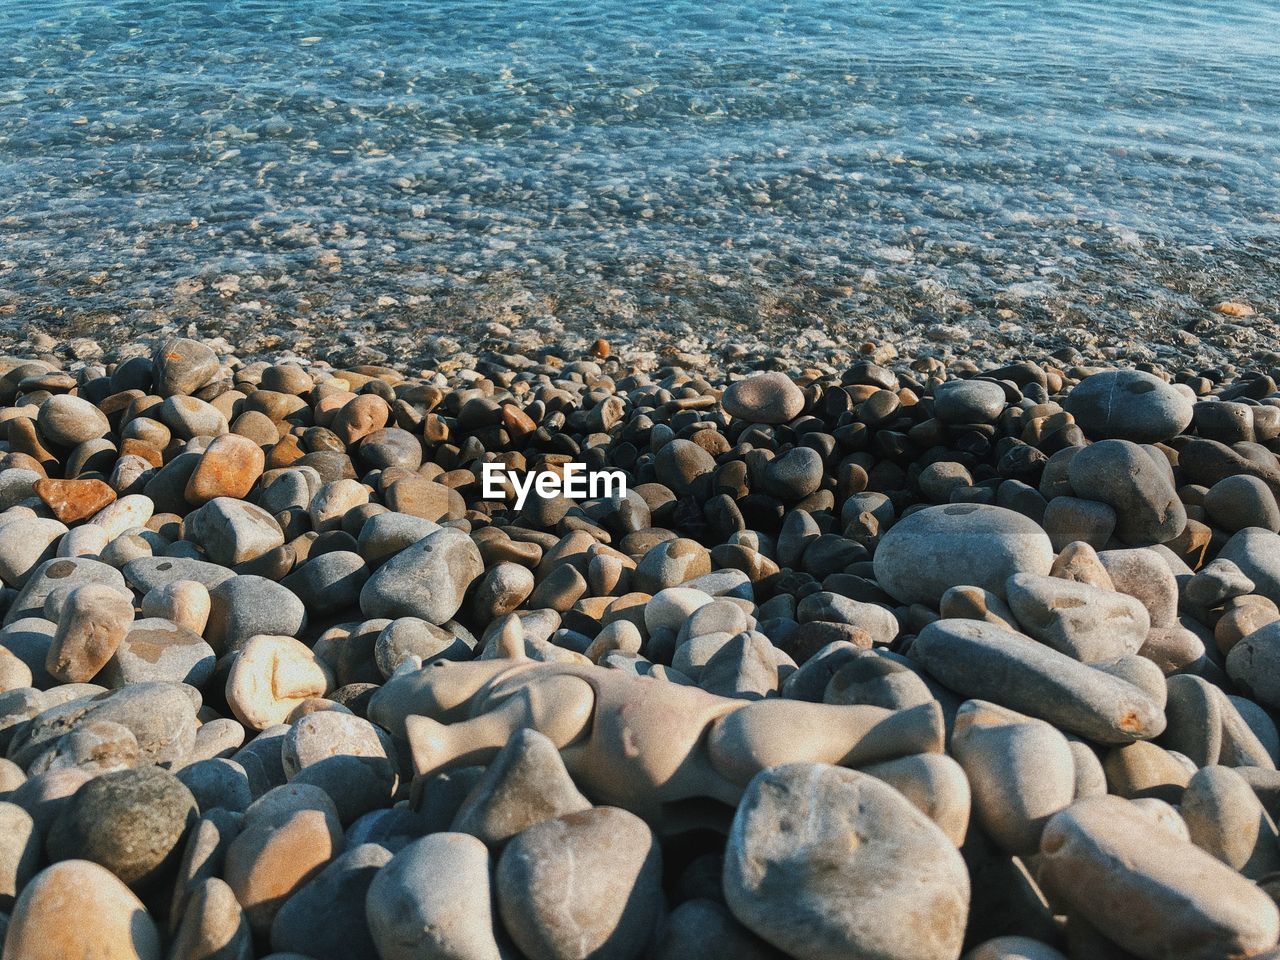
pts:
pixel 638 163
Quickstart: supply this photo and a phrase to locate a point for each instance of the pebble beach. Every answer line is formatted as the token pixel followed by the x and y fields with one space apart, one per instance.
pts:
pixel 905 658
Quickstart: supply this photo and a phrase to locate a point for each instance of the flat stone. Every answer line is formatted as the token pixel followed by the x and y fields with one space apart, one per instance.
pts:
pixel 183 602
pixel 216 783
pixel 94 621
pixel 706 929
pixel 1225 819
pixel 72 500
pixel 157 649
pixel 329 583
pixel 162 717
pixel 937 548
pixel 97 747
pixel 1254 664
pixel 1256 553
pixel 819 856
pixel 152 573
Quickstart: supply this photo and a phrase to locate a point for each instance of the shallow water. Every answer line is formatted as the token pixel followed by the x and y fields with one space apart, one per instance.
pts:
pixel 635 163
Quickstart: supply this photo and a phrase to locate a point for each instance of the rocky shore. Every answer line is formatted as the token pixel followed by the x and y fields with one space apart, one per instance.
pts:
pixel 885 655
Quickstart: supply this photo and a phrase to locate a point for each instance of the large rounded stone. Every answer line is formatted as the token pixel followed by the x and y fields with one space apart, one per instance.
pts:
pixel 1128 478
pixel 1147 890
pixel 927 553
pixel 326 919
pixel 825 862
pixel 132 822
pixel 69 421
pixel 78 909
pixel 983 661
pixel 968 401
pixel 1128 405
pixel 183 366
pixel 1256 552
pixel 764 398
pixel 427 580
pixel 587 884
pixel 1021 771
pixel 413 915
pixel 1078 619
pixel 274 857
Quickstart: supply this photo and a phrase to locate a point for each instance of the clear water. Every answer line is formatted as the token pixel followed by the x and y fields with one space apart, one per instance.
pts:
pixel 632 164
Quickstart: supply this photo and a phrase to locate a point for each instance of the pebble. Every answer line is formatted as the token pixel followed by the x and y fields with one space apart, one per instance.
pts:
pixel 818 856
pixel 212 926
pixel 68 421
pixel 968 401
pixel 413 915
pixel 271 676
pixel 1083 621
pixel 525 784
pixel 231 531
pixel 73 500
pixel 1021 771
pixel 927 553
pixel 246 606
pixel 274 857
pixel 112 921
pixel 427 580
pixel 183 366
pixel 982 661
pixel 582 884
pixel 1099 858
pixel 1127 478
pixel 159 649
pixel 326 919
pixel 1128 405
pixel 132 822
pixel 763 398
pixel 93 622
